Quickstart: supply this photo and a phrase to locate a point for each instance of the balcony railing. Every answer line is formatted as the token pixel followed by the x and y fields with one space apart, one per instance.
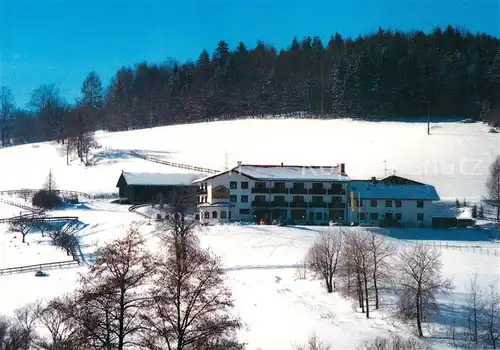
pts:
pixel 260 190
pixel 280 204
pixel 260 203
pixel 298 204
pixel 317 205
pixel 317 191
pixel 279 190
pixel 336 192
pixel 298 190
pixel 336 205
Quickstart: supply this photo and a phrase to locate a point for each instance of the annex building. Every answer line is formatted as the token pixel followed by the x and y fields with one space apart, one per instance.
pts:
pixel 392 201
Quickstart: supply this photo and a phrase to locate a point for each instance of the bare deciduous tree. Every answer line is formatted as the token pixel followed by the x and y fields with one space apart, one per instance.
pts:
pixel 314 343
pixel 394 343
pixel 22 225
pixel 191 303
pixel 492 316
pixel 380 251
pixel 359 259
pixel 111 298
pixel 419 275
pixel 12 336
pixel 62 332
pixel 475 307
pixel 493 184
pixel 324 255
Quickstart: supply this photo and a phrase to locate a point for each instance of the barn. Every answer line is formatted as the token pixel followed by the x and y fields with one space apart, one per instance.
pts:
pixel 138 187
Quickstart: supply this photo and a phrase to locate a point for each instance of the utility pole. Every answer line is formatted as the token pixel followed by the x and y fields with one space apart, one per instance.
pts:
pixel 428 119
pixel 226 162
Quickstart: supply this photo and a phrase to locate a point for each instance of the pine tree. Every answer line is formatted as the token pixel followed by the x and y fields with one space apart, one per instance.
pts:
pixel 474 211
pixel 457 203
pixel 465 202
pixel 92 99
pixel 481 212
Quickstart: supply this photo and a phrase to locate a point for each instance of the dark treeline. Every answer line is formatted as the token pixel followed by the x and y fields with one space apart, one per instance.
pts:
pixel 448 72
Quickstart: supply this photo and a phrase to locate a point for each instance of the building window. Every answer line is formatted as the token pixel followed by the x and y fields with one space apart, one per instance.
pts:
pixel 317 199
pixel 398 216
pixel 279 185
pixel 260 185
pixel 298 185
pixel 244 199
pixel 244 211
pixel 299 199
pixel 373 216
pixel 373 203
pixel 214 215
pixel 260 198
pixel 223 214
pixel 317 186
pixel 420 216
pixel 362 216
pixel 206 215
pixel 420 204
pixel 233 198
pixel 244 185
pixel 233 185
pixel 319 216
pixel 398 204
pixel 388 203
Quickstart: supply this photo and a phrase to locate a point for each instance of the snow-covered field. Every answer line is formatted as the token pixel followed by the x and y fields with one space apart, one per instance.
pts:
pixel 454 158
pixel 277 309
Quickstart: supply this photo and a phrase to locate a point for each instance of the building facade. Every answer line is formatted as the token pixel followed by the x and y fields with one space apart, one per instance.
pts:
pixel 266 194
pixel 391 201
pixel 135 188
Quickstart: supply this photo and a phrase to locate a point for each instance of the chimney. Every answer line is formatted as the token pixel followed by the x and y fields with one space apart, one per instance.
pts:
pixel 342 168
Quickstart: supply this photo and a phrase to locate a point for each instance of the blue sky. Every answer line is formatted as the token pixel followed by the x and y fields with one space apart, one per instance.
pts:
pixel 57 41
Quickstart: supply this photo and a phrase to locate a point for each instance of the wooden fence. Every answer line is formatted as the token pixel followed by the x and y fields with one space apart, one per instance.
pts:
pixel 175 165
pixel 31 191
pixel 133 209
pixel 37 267
pixel 481 249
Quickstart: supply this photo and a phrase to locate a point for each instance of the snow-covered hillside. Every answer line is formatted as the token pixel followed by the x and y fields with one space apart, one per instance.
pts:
pixel 455 157
pixel 277 310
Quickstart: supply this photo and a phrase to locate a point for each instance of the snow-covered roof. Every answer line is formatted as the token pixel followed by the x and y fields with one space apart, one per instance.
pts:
pixel 160 179
pixel 368 189
pixel 287 173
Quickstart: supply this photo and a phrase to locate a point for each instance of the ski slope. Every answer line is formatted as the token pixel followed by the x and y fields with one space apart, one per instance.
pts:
pixel 454 158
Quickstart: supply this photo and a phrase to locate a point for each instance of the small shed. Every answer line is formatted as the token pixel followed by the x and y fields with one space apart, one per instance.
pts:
pixel 136 188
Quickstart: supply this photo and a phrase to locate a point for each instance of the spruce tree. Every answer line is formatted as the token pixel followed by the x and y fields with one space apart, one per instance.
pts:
pixel 474 211
pixel 481 211
pixel 457 203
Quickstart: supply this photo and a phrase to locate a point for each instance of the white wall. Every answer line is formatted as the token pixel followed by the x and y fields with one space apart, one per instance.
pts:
pixel 408 211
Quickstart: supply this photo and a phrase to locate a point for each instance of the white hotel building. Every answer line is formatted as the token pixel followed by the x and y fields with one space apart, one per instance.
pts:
pixel 312 195
pixel 264 193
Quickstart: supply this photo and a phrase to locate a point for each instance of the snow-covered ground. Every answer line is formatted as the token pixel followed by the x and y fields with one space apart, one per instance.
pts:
pixel 277 309
pixel 455 157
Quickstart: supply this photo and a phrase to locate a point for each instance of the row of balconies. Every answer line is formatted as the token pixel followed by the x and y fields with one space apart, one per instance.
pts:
pixel 317 191
pixel 298 204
